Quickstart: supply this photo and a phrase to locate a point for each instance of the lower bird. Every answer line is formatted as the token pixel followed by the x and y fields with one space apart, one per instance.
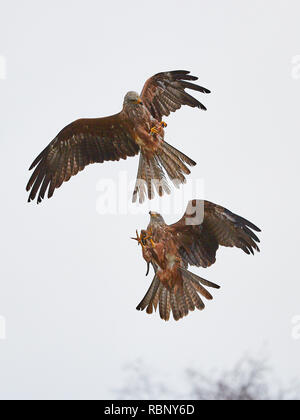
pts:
pixel 193 240
pixel 138 128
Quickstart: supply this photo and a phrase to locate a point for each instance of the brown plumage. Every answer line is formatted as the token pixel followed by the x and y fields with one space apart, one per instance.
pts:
pixel 193 240
pixel 138 128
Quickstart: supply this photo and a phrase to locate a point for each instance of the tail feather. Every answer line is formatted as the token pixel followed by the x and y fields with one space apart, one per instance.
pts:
pixel 152 170
pixel 189 301
pixel 163 303
pixel 157 295
pixel 149 176
pixel 198 279
pixel 202 290
pixel 196 284
pixel 140 187
pixel 182 304
pixel 185 300
pixel 176 161
pixel 189 288
pixel 168 308
pixel 179 154
pixel 174 173
pixel 174 306
pixel 149 295
pixel 160 182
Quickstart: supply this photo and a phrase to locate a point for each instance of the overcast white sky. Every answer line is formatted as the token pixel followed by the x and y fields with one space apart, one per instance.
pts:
pixel 70 279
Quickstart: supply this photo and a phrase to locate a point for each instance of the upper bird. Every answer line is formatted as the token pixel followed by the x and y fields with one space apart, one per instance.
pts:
pixel 137 128
pixel 193 240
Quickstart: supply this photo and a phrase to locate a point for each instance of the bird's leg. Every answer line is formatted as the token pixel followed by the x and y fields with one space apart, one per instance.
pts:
pixel 149 236
pixel 151 240
pixel 143 237
pixel 154 131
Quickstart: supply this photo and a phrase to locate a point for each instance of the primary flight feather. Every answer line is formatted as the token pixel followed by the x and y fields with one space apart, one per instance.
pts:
pixel 193 240
pixel 137 129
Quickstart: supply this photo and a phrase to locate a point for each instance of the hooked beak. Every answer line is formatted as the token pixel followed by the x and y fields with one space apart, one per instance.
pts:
pixel 139 101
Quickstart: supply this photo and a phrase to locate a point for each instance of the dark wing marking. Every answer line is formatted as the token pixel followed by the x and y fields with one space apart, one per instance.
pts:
pixel 79 144
pixel 165 93
pixel 205 226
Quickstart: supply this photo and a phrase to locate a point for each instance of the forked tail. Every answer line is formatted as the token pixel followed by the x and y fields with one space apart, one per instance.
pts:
pixel 152 172
pixel 186 299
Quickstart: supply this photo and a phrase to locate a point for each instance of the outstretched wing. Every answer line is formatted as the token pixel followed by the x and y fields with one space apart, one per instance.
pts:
pixel 205 226
pixel 79 144
pixel 165 93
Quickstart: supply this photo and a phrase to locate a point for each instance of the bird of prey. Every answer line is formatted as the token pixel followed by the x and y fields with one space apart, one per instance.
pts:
pixel 193 240
pixel 138 128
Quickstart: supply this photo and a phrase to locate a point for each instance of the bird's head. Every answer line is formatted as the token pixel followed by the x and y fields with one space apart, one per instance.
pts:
pixel 156 218
pixel 132 98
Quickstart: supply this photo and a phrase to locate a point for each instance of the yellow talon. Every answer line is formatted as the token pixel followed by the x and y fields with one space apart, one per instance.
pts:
pixel 138 238
pixel 163 124
pixel 154 130
pixel 142 238
pixel 150 238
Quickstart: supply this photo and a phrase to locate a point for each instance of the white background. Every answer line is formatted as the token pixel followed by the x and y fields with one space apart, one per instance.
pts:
pixel 70 279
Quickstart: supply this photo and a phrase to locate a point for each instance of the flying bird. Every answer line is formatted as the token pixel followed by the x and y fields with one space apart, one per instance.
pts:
pixel 193 240
pixel 137 129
